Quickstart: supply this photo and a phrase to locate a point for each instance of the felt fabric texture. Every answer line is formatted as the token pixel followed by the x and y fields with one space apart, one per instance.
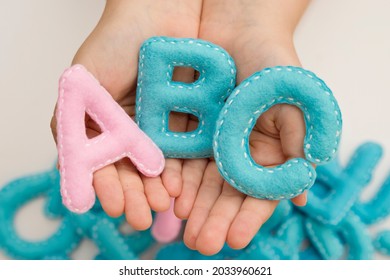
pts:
pixel 158 94
pixel 324 239
pixel 309 253
pixel 280 238
pixel 18 193
pixel 106 234
pixel 377 208
pixel 166 227
pixel 339 219
pixel 267 247
pixel 254 96
pixel 283 235
pixel 95 225
pixel 338 188
pixel 103 231
pixel 110 242
pixel 357 238
pixel 289 234
pixel 286 236
pixel 79 94
pixel 324 242
pixel 382 242
pixel 347 236
pixel 282 212
pixel 179 251
pixel 293 233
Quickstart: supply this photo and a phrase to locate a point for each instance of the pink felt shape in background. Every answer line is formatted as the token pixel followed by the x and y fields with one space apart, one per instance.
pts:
pixel 166 227
pixel 79 94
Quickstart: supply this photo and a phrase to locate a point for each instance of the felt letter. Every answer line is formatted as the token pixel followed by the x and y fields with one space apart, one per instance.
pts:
pixel 79 94
pixel 158 94
pixel 13 197
pixel 337 189
pixel 255 95
pixel 382 242
pixel 166 226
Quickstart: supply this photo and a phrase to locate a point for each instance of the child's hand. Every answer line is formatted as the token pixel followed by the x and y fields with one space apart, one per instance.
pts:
pixel 110 53
pixel 220 212
pixel 257 34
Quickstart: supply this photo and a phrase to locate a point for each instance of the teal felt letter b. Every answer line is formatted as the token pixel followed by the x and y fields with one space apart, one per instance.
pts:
pixel 158 94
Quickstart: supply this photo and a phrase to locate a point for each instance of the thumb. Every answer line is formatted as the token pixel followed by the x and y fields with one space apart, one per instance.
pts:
pixel 291 126
pixel 292 130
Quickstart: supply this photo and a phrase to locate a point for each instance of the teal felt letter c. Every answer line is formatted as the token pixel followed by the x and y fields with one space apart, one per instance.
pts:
pixel 254 96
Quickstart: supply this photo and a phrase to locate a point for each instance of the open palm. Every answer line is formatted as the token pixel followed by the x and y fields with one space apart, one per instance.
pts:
pixel 216 212
pixel 110 53
pixel 219 212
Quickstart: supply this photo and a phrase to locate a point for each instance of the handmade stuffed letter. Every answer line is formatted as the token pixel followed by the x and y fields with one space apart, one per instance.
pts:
pixel 166 226
pixel 79 94
pixel 254 96
pixel 13 197
pixel 158 94
pixel 338 188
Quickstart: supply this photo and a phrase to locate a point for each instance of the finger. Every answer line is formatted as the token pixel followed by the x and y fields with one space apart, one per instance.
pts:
pixel 300 200
pixel 178 120
pixel 108 189
pixel 208 193
pixel 251 216
pixel 166 226
pixel 183 74
pixel 214 231
pixel 292 130
pixel 172 177
pixel 193 170
pixel 157 196
pixel 53 126
pixel 137 209
pixel 292 133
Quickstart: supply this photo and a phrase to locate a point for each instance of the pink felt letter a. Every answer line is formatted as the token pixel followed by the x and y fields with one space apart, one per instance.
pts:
pixel 79 94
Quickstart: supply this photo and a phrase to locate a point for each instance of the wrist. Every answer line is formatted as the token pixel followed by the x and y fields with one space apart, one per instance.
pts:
pixel 278 52
pixel 262 50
